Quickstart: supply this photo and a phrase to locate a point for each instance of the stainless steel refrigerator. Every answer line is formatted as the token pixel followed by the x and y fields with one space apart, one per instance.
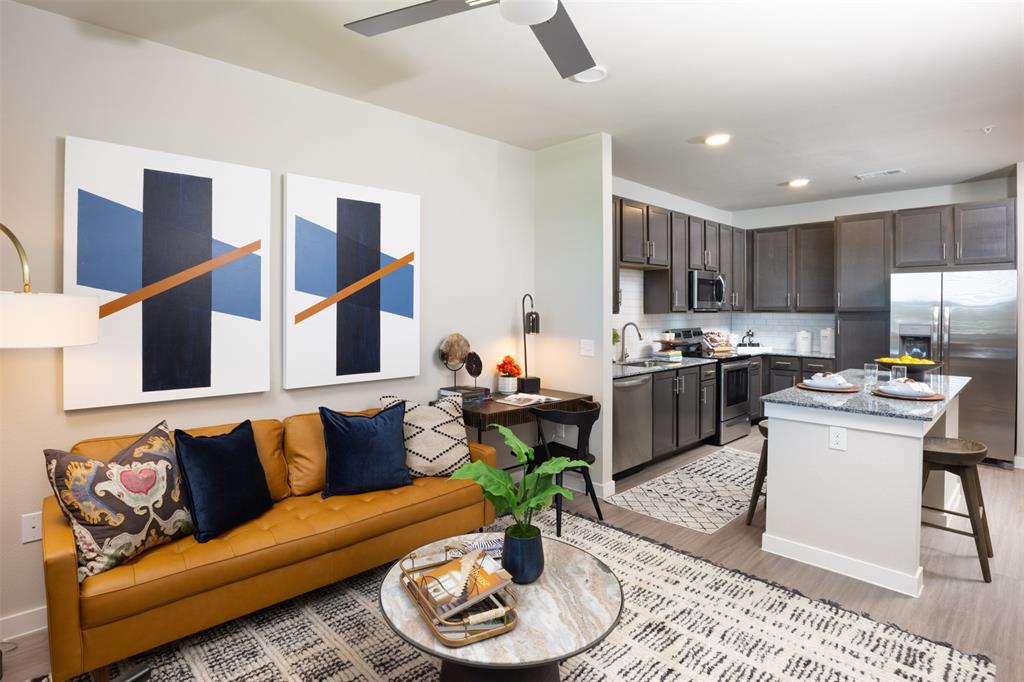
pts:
pixel 968 321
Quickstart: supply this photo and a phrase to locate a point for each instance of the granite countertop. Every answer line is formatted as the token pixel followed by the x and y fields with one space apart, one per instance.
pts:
pixel 866 403
pixel 624 371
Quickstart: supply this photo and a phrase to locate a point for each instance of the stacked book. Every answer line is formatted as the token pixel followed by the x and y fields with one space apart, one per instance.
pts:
pixel 669 355
pixel 470 395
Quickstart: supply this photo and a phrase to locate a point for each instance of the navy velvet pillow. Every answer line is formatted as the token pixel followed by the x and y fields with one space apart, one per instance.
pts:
pixel 224 479
pixel 364 453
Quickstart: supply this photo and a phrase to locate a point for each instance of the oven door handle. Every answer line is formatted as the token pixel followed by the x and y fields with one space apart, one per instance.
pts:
pixel 739 364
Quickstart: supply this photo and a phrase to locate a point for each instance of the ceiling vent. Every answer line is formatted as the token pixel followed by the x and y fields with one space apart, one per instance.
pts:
pixel 880 174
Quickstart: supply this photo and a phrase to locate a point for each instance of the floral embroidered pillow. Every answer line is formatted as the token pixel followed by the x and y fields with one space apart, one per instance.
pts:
pixel 122 507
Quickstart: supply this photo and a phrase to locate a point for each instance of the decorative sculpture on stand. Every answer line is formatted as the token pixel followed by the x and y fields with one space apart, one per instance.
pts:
pixel 455 355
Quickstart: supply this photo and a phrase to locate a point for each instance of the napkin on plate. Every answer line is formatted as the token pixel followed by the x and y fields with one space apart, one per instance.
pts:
pixel 828 380
pixel 907 387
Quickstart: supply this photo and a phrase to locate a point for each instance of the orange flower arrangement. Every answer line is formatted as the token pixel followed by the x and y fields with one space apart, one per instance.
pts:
pixel 508 367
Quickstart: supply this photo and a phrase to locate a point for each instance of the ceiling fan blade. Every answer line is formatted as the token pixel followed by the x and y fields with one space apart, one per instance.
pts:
pixel 414 14
pixel 560 39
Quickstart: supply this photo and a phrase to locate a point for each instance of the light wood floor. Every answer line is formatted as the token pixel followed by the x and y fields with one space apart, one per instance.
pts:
pixel 956 607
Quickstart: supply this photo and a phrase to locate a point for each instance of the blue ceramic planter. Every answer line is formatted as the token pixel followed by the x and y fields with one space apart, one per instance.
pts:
pixel 523 558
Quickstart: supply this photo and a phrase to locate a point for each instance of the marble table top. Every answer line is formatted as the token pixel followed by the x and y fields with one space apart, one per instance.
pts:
pixel 572 606
pixel 863 402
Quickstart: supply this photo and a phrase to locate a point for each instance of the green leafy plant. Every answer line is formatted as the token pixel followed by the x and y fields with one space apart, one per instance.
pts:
pixel 615 336
pixel 535 490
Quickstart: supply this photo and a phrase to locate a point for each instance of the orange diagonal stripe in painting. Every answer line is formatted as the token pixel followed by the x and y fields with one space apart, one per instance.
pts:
pixel 353 288
pixel 178 278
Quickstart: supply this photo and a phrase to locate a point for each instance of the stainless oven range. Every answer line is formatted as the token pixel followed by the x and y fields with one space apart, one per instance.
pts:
pixel 732 390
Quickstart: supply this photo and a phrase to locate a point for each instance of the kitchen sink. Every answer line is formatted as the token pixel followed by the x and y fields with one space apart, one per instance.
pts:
pixel 647 363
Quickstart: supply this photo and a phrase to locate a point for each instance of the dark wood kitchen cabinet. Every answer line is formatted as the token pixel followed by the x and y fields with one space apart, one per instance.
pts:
pixel 675 415
pixel 781 379
pixel 815 268
pixel 922 236
pixel 688 414
pixel 862 262
pixel 702 236
pixel 772 256
pixel 643 235
pixel 860 338
pixel 725 266
pixel 658 236
pixel 811 366
pixel 740 268
pixel 616 231
pixel 984 232
pixel 708 411
pixel 665 291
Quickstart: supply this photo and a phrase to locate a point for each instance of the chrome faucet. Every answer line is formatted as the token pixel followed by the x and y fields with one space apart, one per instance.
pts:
pixel 624 354
pixel 748 335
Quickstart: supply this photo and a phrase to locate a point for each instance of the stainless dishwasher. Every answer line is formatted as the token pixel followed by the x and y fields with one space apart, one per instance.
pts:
pixel 631 422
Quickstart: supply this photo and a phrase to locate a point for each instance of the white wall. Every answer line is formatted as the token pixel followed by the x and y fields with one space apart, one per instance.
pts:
pixel 60 77
pixel 573 250
pixel 816 211
pixel 1018 191
pixel 673 202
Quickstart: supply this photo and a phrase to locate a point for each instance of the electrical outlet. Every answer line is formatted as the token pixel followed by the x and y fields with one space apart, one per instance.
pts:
pixel 31 527
pixel 836 438
pixel 587 348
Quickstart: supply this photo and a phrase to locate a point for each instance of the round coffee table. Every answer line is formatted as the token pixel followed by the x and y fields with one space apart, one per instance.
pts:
pixel 572 606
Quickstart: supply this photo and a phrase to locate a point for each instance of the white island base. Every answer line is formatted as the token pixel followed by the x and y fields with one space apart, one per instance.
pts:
pixel 855 510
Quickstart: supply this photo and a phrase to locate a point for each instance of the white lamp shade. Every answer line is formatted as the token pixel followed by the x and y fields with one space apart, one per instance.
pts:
pixel 528 12
pixel 47 320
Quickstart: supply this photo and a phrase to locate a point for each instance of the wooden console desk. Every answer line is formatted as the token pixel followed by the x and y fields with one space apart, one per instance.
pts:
pixel 479 416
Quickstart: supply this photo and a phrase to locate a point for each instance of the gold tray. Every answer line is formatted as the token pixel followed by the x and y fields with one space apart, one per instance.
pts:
pixel 461 631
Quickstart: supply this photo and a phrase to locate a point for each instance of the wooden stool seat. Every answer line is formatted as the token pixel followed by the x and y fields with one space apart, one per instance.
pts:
pixel 961 457
pixel 762 472
pixel 954 451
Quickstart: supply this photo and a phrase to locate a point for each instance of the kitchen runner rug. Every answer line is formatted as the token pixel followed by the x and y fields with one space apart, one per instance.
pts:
pixel 683 618
pixel 704 495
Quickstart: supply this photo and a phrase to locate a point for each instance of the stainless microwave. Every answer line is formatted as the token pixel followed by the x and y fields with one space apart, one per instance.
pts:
pixel 707 291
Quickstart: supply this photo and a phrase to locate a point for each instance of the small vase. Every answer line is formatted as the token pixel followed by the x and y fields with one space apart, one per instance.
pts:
pixel 506 384
pixel 523 557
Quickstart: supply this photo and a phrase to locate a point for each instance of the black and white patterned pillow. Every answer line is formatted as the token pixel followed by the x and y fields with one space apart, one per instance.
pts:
pixel 435 436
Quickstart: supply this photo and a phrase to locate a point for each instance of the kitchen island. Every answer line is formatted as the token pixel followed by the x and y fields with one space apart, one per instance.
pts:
pixel 844 479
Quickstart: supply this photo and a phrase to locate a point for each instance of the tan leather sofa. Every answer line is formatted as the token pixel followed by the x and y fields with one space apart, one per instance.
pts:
pixel 304 542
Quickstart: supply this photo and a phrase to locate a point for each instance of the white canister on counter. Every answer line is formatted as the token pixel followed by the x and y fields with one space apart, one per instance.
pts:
pixel 803 341
pixel 828 341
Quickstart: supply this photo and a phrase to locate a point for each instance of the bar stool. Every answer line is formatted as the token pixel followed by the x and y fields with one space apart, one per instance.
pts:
pixel 961 457
pixel 762 471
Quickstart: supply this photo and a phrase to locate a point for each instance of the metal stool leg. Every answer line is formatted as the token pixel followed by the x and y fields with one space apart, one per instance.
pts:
pixel 762 471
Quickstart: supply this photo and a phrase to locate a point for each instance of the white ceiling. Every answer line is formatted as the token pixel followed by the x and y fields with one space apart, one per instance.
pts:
pixel 818 89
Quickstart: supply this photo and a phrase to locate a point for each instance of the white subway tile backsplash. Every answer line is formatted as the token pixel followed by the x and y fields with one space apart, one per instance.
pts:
pixel 777 330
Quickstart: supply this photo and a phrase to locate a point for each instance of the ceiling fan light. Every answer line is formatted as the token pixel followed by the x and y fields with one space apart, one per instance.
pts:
pixel 528 12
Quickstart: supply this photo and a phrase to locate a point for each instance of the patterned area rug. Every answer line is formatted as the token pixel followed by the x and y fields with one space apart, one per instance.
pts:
pixel 684 619
pixel 704 495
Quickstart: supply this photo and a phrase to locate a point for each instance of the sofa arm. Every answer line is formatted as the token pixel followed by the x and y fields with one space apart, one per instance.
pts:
pixel 60 567
pixel 478 452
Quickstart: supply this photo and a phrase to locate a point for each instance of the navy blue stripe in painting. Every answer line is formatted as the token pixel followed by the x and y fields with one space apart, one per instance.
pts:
pixel 177 233
pixel 358 336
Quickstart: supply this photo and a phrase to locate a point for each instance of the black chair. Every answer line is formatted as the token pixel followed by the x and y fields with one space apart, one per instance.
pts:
pixel 582 417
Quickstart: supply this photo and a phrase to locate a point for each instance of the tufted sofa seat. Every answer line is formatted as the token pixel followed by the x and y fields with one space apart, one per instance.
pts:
pixel 302 543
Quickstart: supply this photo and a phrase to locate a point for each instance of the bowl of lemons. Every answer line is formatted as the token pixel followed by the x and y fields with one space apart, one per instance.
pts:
pixel 917 368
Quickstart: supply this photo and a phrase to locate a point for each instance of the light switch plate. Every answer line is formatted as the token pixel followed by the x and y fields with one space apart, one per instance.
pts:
pixel 587 348
pixel 837 438
pixel 31 527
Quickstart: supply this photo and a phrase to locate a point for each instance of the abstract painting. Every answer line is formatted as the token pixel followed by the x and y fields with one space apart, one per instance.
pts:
pixel 177 250
pixel 351 283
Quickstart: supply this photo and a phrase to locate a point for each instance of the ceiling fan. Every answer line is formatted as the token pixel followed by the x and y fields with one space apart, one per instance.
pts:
pixel 547 18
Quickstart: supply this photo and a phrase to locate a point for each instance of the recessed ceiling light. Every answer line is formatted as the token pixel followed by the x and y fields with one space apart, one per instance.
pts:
pixel 798 182
pixel 717 139
pixel 591 75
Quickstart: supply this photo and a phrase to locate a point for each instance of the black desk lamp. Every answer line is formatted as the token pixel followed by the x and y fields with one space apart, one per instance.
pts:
pixel 531 325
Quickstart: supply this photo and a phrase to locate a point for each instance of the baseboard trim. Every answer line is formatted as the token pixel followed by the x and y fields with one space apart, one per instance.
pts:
pixel 1018 462
pixel 24 623
pixel 904 583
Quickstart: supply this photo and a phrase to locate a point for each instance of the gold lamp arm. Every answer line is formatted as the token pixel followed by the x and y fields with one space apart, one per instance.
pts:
pixel 26 286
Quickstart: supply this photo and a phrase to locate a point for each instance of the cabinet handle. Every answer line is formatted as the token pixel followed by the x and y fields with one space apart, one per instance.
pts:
pixel 654 249
pixel 943 250
pixel 675 298
pixel 703 395
pixel 959 250
pixel 839 327
pixel 839 299
pixel 798 299
pixel 787 300
pixel 779 362
pixel 818 366
pixel 682 384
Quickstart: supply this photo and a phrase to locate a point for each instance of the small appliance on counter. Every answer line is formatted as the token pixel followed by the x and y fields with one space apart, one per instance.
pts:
pixel 803 341
pixel 828 341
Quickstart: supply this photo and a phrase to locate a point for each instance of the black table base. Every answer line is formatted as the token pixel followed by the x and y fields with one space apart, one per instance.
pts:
pixel 454 672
